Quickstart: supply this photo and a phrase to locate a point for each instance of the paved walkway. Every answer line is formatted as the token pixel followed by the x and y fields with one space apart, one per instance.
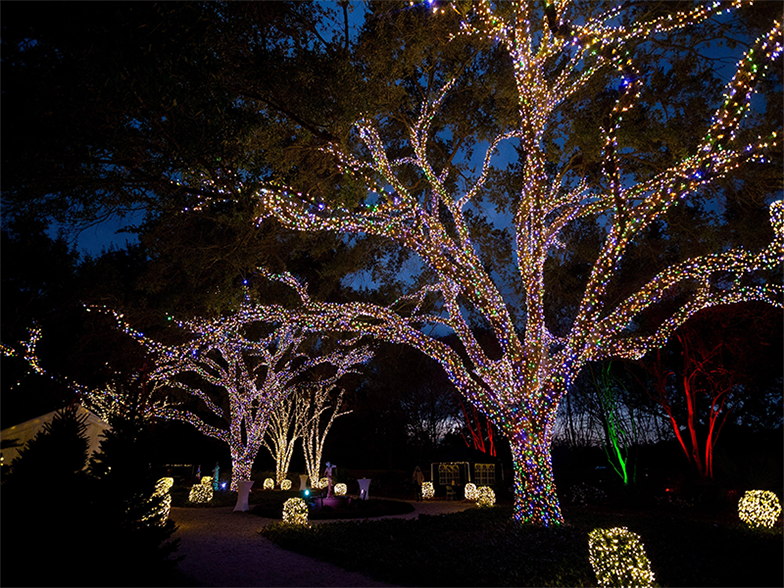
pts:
pixel 224 548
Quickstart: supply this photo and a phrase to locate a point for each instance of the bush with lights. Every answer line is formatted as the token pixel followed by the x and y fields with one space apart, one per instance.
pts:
pixel 340 489
pixel 470 491
pixel 269 484
pixel 295 511
pixel 618 558
pixel 285 484
pixel 759 508
pixel 201 493
pixel 161 513
pixel 428 491
pixel 485 497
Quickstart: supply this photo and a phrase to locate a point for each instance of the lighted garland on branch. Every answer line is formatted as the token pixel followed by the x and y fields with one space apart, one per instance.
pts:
pixel 520 389
pixel 249 375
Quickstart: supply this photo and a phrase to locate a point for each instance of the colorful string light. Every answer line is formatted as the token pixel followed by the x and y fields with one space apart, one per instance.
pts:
pixel 520 389
pixel 250 375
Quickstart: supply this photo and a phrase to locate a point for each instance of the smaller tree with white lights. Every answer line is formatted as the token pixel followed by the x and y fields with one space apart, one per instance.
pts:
pixel 239 368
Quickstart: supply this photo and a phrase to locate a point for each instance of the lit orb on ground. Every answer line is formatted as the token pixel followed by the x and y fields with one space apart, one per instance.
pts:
pixel 295 511
pixel 340 489
pixel 428 491
pixel 485 497
pixel 470 491
pixel 618 558
pixel 759 508
pixel 285 484
pixel 269 484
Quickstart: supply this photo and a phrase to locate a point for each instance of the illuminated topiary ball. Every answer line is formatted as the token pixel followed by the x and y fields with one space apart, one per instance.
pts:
pixel 340 489
pixel 295 511
pixel 269 484
pixel 200 493
pixel 285 484
pixel 323 483
pixel 759 508
pixel 470 491
pixel 163 486
pixel 206 481
pixel 485 497
pixel 428 491
pixel 618 558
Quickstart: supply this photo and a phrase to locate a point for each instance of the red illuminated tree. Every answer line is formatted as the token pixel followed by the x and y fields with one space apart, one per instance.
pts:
pixel 238 368
pixel 722 351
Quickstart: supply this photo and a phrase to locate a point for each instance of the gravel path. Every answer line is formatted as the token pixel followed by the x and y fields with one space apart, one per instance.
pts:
pixel 224 548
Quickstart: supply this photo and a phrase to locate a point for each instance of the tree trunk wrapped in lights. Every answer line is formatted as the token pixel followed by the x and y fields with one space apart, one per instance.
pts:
pixel 239 378
pixel 285 427
pixel 520 387
pixel 315 399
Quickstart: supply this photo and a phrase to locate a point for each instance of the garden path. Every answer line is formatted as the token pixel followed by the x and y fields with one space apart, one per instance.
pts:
pixel 224 548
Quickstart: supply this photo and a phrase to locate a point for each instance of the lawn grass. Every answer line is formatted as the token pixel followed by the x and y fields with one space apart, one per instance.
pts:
pixel 487 548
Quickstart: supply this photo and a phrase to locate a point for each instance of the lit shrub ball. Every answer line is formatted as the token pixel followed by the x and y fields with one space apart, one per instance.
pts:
pixel 323 483
pixel 618 558
pixel 428 491
pixel 206 482
pixel 340 489
pixel 285 484
pixel 295 512
pixel 200 493
pixel 470 491
pixel 759 508
pixel 485 497
pixel 269 484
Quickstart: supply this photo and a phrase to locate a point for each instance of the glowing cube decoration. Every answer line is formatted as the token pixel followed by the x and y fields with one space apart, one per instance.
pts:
pixel 485 497
pixel 285 484
pixel 340 489
pixel 428 491
pixel 759 508
pixel 618 558
pixel 470 491
pixel 269 484
pixel 295 511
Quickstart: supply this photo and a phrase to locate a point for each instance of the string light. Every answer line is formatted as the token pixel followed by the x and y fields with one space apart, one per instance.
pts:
pixel 341 489
pixel 428 491
pixel 285 484
pixel 520 390
pixel 618 558
pixel 485 497
pixel 254 374
pixel 470 492
pixel 201 493
pixel 295 512
pixel 759 508
pixel 269 484
pixel 314 400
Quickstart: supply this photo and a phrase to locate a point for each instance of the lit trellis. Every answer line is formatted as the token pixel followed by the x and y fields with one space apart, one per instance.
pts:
pixel 521 390
pixel 220 364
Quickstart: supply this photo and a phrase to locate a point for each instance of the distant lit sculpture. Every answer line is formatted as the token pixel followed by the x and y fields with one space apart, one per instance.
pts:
pixel 428 491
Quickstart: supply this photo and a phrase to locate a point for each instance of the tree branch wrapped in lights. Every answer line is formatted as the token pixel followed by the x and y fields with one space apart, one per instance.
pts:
pixel 239 376
pixel 519 387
